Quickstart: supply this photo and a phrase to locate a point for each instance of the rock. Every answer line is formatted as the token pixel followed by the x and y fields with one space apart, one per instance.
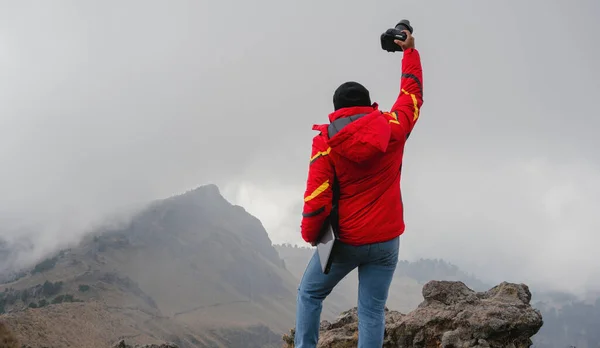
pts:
pixel 451 316
pixel 122 344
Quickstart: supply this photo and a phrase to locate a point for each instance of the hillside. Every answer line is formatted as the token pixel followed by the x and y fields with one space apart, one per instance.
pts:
pixel 191 267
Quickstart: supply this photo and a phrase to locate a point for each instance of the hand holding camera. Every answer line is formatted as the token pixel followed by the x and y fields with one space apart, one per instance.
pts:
pixel 408 43
pixel 398 38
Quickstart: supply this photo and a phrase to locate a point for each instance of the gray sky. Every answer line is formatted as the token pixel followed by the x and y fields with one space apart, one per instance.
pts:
pixel 107 104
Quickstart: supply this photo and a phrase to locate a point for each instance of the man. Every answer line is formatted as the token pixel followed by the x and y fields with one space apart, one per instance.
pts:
pixel 365 155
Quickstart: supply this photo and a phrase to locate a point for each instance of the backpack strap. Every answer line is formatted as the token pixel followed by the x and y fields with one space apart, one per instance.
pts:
pixel 334 128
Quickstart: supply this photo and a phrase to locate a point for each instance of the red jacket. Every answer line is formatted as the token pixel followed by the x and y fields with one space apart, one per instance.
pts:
pixel 367 155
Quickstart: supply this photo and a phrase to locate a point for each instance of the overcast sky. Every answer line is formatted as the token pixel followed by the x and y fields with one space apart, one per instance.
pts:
pixel 106 104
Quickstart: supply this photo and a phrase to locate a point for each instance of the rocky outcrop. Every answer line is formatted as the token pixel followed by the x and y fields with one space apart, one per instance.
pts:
pixel 122 344
pixel 451 316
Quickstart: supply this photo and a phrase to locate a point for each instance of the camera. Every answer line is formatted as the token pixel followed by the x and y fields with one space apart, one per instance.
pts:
pixel 387 38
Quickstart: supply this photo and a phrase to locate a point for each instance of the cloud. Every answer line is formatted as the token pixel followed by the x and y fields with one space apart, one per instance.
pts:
pixel 278 207
pixel 529 220
pixel 106 106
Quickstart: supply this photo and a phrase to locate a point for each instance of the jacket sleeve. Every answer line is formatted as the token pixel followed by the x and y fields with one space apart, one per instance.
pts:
pixel 318 195
pixel 405 112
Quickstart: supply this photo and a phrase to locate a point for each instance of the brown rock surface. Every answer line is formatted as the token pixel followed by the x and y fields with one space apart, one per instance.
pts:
pixel 7 338
pixel 451 316
pixel 122 344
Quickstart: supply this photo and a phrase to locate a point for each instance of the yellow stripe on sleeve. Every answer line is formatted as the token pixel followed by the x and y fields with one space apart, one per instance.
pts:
pixel 416 108
pixel 319 154
pixel 394 116
pixel 317 191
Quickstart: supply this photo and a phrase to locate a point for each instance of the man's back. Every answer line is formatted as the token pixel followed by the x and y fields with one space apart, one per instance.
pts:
pixel 362 149
pixel 366 154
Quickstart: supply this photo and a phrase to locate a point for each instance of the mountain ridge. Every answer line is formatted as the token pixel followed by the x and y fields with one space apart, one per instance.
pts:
pixel 193 263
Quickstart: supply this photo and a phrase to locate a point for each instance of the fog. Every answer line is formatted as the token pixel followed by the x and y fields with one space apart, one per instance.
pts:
pixel 107 105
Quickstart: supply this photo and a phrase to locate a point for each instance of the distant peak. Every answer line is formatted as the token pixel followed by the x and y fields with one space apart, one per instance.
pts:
pixel 204 193
pixel 209 189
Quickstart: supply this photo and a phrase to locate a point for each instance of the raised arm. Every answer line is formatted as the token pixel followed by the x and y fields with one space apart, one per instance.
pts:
pixel 406 110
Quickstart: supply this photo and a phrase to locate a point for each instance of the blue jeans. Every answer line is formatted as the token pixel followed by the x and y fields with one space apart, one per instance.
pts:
pixel 376 265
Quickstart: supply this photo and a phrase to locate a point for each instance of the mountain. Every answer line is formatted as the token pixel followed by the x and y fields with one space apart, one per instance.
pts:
pixel 192 267
pixel 198 271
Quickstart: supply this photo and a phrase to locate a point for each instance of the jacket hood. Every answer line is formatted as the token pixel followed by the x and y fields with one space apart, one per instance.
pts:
pixel 362 139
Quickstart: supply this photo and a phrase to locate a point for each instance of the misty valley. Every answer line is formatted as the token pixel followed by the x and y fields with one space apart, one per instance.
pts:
pixel 198 271
pixel 173 174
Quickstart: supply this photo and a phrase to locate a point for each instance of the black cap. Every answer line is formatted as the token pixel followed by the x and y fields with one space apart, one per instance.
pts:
pixel 350 94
